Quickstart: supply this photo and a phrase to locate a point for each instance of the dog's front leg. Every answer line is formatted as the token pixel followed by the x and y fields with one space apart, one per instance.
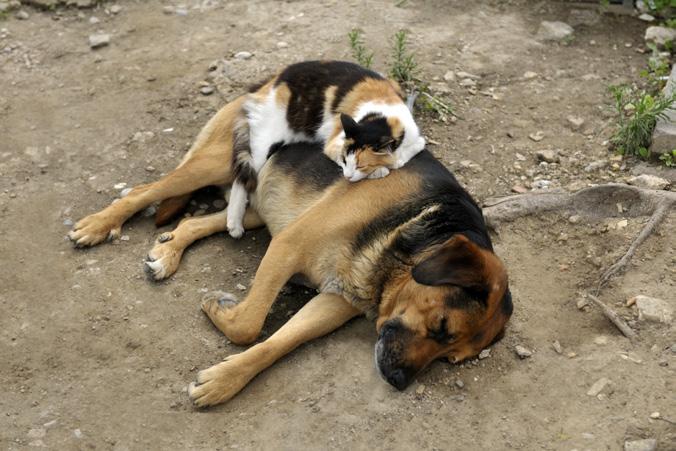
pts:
pixel 323 314
pixel 242 323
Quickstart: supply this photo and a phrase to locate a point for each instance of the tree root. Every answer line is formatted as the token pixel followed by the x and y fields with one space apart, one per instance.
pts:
pixel 614 318
pixel 595 203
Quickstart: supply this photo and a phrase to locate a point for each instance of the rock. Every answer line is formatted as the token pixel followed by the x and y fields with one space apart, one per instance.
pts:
pixel 601 340
pixel 119 186
pixel 664 134
pixel 649 181
pixel 548 155
pixel 598 386
pixel 467 82
pixel 554 31
pixel 125 191
pixel 537 136
pixel 207 90
pixel 660 36
pixel 647 444
pixel 168 10
pixel 582 303
pixel 22 15
pixel 522 352
pixel 142 137
pixel 541 184
pixel 646 17
pixel 124 238
pixel 557 347
pixel 530 75
pixel 219 203
pixel 622 223
pixel 462 74
pixel 655 415
pixel 574 219
pixel 486 353
pixel 519 189
pixel 68 222
pixel 595 165
pixel 240 287
pixel 115 9
pixel 449 76
pixel 459 383
pixel 420 390
pixel 575 122
pixel 99 40
pixel 4 7
pixel 77 433
pixel 243 55
pixel 181 11
pixel 94 20
pixel 282 45
pixel 653 309
pixel 588 17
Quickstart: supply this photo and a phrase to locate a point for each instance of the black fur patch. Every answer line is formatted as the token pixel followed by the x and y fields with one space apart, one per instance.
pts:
pixel 308 82
pixel 242 168
pixel 373 132
pixel 306 163
pixel 456 212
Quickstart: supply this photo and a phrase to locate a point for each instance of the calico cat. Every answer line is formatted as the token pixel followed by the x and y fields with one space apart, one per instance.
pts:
pixel 358 115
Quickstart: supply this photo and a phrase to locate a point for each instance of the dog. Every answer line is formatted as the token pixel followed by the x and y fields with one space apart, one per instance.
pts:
pixel 410 250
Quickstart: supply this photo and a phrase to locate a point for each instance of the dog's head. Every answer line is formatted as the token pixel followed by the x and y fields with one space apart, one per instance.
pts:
pixel 453 303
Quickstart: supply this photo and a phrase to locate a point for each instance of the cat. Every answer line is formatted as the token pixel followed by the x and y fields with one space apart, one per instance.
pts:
pixel 359 116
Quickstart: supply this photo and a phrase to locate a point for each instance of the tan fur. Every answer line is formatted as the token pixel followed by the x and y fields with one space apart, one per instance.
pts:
pixel 283 95
pixel 366 91
pixel 368 160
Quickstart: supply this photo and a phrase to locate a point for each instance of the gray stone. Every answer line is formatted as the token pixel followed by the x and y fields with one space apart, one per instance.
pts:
pixel 575 122
pixel 459 383
pixel 649 181
pixel 486 353
pixel 115 9
pixel 653 309
pixel 557 347
pixel 467 82
pixel 94 20
pixel 282 45
pixel 548 155
pixel 660 35
pixel 181 12
pixel 522 352
pixel 664 135
pixel 659 171
pixel 207 90
pixel 449 76
pixel 598 386
pixel 646 17
pixel 554 31
pixel 22 15
pixel 4 7
pixel 463 74
pixel 243 55
pixel 99 40
pixel 596 165
pixel 646 444
pixel 587 17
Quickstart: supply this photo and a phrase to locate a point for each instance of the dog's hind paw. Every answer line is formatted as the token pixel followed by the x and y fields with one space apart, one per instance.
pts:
pixel 163 259
pixel 222 298
pixel 93 230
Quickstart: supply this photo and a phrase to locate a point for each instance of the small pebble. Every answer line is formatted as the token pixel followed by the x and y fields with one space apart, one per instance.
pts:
pixel 94 20
pixel 598 386
pixel 207 90
pixel 124 238
pixel 243 55
pixel 22 15
pixel 459 383
pixel 240 287
pixel 655 415
pixel 68 222
pixel 522 352
pixel 115 9
pixel 77 433
pixel 420 389
pixel 282 45
pixel 486 353
pixel 557 347
pixel 120 185
pixel 99 40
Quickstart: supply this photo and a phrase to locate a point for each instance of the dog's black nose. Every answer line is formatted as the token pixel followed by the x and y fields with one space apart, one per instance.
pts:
pixel 398 379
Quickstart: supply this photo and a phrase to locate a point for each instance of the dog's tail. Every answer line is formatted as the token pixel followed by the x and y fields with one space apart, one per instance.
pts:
pixel 170 208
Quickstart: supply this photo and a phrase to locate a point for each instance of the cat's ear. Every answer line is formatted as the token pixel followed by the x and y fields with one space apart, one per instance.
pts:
pixel 350 127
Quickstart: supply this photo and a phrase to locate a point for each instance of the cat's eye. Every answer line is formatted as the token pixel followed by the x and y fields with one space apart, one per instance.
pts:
pixel 385 148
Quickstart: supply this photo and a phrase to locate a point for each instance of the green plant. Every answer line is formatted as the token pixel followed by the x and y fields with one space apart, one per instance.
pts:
pixel 359 51
pixel 637 114
pixel 669 159
pixel 403 66
pixel 655 75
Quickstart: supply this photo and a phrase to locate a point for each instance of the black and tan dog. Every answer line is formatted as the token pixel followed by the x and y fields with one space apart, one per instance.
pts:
pixel 410 249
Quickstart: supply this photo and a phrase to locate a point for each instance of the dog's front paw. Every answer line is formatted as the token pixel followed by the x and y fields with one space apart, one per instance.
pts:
pixel 379 173
pixel 162 261
pixel 94 229
pixel 220 382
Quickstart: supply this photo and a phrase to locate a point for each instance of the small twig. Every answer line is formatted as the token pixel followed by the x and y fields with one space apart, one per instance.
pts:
pixel 614 318
pixel 655 220
pixel 666 419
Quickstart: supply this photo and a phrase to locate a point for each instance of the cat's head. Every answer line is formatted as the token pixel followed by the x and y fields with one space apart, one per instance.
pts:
pixel 369 144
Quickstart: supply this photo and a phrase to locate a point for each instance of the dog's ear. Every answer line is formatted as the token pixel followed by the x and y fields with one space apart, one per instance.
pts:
pixel 350 126
pixel 462 263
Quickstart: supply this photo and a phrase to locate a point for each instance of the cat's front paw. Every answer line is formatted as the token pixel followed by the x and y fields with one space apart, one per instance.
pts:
pixel 379 173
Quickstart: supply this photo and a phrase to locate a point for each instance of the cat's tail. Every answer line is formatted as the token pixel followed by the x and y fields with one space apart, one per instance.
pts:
pixel 242 161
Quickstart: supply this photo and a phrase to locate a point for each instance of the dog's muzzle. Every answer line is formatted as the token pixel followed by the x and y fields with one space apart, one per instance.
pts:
pixel 389 356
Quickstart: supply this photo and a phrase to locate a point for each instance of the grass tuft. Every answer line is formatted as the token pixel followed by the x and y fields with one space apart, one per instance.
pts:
pixel 359 51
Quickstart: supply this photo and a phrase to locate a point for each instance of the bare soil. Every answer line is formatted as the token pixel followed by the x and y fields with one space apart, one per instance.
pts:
pixel 95 356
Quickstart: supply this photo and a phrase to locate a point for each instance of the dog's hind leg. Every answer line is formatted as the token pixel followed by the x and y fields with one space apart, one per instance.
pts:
pixel 323 314
pixel 163 259
pixel 208 162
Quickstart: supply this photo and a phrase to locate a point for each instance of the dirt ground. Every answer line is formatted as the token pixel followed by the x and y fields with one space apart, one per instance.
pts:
pixel 95 356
